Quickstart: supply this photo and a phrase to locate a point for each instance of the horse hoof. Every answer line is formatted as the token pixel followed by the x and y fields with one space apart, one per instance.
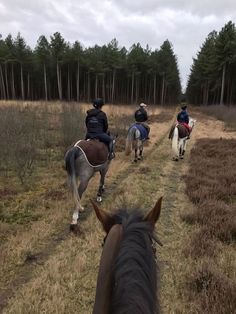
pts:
pixel 182 157
pixel 175 159
pixel 135 160
pixel 75 228
pixel 140 158
pixel 81 209
pixel 99 199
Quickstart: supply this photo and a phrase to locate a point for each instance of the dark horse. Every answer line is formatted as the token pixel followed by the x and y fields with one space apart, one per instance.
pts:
pixel 82 161
pixel 127 278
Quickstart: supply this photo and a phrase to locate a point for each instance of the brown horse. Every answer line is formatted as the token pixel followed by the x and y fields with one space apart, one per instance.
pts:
pixel 127 278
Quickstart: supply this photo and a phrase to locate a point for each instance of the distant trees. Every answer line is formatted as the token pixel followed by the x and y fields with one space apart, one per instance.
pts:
pixel 56 69
pixel 213 74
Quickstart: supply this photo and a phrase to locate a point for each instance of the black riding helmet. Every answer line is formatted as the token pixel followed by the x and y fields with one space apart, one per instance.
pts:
pixel 184 107
pixel 98 103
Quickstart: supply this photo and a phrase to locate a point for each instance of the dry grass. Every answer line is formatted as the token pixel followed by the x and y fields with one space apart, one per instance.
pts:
pixel 33 220
pixel 223 113
pixel 211 185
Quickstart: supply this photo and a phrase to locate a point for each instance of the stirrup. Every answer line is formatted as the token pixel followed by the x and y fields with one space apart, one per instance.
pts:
pixel 111 156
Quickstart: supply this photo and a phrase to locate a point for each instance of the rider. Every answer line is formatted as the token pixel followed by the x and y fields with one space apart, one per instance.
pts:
pixel 141 117
pixel 97 126
pixel 183 118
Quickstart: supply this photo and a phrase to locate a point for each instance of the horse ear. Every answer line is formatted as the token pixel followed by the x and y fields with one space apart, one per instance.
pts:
pixel 103 217
pixel 154 214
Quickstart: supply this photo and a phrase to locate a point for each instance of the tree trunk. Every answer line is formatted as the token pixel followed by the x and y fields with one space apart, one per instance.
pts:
pixel 222 86
pixel 89 98
pixel 136 89
pixel 162 90
pixel 22 82
pixel 77 82
pixel 103 88
pixel 96 86
pixel 68 83
pixel 6 80
pixel 28 85
pixel 154 88
pixel 59 81
pixel 113 85
pixel 132 89
pixel 231 92
pixel 45 82
pixel 2 83
pixel 13 91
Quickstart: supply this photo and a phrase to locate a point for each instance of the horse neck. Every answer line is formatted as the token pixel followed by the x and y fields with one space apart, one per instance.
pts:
pixel 135 273
pixel 103 290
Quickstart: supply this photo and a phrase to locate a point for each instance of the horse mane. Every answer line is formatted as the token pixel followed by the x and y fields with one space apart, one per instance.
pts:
pixel 134 288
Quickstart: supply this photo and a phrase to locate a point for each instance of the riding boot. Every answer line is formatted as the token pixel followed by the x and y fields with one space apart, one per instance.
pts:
pixel 111 151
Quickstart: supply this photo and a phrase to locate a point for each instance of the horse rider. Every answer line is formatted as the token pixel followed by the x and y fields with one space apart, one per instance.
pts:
pixel 183 118
pixel 141 117
pixel 97 126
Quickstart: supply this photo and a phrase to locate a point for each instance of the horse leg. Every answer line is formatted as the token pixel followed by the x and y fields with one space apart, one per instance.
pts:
pixel 101 187
pixel 140 157
pixel 78 207
pixel 175 143
pixel 135 155
pixel 181 148
pixel 184 148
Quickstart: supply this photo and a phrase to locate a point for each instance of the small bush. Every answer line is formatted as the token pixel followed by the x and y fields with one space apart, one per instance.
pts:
pixel 18 140
pixel 227 114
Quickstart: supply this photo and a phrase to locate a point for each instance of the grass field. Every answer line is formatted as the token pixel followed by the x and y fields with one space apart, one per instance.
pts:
pixel 45 269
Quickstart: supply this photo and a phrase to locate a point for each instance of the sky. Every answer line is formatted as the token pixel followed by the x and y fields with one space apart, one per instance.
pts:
pixel 185 23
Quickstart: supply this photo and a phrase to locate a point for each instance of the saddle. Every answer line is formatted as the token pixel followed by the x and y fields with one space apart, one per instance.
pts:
pixel 95 151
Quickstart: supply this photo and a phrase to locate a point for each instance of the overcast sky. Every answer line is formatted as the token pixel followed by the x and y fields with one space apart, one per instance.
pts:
pixel 185 23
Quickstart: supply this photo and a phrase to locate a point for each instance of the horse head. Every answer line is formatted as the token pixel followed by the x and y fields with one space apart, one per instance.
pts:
pixel 127 272
pixel 192 122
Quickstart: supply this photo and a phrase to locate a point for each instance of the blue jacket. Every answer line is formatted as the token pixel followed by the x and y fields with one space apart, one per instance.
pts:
pixel 183 117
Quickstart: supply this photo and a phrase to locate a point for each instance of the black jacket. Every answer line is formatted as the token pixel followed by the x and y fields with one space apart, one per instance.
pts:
pixel 96 121
pixel 141 115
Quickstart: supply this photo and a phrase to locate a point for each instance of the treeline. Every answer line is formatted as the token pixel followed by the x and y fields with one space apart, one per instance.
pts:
pixel 213 73
pixel 57 69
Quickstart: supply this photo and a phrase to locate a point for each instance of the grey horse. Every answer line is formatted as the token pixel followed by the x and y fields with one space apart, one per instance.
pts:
pixel 134 140
pixel 80 169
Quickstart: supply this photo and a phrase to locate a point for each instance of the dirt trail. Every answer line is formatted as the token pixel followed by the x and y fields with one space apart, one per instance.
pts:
pixel 63 276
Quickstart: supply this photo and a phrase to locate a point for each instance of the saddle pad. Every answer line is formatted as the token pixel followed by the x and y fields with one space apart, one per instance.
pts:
pixel 142 130
pixel 183 131
pixel 95 151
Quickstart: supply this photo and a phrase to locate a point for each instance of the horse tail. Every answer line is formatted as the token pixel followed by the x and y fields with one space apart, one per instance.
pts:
pixel 70 159
pixel 175 138
pixel 129 140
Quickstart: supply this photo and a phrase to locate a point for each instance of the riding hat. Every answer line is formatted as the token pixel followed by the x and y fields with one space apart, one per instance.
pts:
pixel 184 107
pixel 98 103
pixel 143 105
